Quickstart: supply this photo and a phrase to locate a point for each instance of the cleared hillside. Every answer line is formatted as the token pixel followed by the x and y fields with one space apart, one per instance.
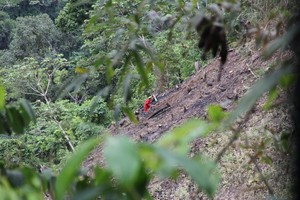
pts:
pixel 240 178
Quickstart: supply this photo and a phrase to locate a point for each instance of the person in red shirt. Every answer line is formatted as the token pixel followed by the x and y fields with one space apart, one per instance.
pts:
pixel 147 104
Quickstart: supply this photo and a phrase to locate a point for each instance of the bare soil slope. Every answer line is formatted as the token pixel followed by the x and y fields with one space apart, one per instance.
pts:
pixel 240 180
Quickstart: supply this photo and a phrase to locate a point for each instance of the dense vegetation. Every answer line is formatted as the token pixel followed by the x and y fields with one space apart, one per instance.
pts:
pixel 81 64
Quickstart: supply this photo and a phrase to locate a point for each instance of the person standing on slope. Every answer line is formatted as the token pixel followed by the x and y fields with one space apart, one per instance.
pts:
pixel 147 104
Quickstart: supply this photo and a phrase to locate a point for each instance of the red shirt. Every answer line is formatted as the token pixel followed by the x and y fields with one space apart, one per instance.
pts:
pixel 146 105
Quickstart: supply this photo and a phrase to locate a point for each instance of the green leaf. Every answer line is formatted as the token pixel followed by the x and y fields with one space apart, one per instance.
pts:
pixel 147 51
pixel 109 73
pixel 15 178
pixel 81 70
pixel 260 87
pixel 266 159
pixel 68 173
pixel 285 141
pixel 73 86
pixel 178 138
pixel 203 172
pixel 126 88
pixel 122 159
pixel 101 94
pixel 2 97
pixel 101 176
pixel 89 193
pixel 15 120
pixel 215 113
pixel 281 42
pixel 130 114
pixel 271 97
pixel 26 108
pixel 286 80
pixel 140 68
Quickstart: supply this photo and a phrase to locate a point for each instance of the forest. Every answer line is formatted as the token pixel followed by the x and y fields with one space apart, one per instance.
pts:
pixel 224 123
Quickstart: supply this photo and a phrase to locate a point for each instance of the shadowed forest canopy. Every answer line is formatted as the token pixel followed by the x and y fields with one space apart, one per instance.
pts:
pixel 221 75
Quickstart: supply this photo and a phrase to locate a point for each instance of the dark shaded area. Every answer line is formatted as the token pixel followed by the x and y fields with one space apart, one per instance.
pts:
pixel 24 8
pixel 295 44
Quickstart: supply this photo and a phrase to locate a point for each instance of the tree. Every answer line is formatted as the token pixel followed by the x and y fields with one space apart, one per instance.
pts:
pixel 34 36
pixel 70 21
pixel 22 8
pixel 6 26
pixel 36 79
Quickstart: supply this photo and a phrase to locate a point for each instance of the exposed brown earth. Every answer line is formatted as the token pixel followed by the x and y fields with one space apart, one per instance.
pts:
pixel 240 179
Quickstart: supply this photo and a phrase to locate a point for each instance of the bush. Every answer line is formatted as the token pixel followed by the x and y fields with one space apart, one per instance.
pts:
pixel 95 111
pixel 15 152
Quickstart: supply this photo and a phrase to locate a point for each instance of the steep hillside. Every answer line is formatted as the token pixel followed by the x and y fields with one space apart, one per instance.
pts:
pixel 240 180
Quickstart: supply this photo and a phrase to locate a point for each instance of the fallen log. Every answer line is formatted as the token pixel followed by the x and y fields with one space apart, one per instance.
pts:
pixel 160 111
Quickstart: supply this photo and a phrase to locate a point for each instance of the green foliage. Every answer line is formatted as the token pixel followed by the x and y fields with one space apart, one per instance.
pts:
pixel 179 138
pixel 72 16
pixel 127 166
pixel 20 8
pixel 6 26
pixel 36 79
pixel 14 119
pixel 70 21
pixel 179 58
pixel 122 158
pixel 118 44
pixel 45 137
pixel 34 36
pixel 68 173
pixel 27 182
pixel 95 111
pixel 14 152
pixel 215 113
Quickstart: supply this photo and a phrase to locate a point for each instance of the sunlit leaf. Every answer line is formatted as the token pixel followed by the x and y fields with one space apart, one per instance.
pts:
pixel 271 98
pixel 81 70
pixel 68 173
pixel 2 96
pixel 215 113
pixel 122 159
pixel 130 115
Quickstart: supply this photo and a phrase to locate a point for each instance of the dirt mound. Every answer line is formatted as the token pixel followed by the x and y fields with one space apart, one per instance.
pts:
pixel 189 100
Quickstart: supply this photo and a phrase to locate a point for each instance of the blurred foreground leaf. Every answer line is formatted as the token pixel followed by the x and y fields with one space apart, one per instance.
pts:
pixel 121 156
pixel 70 170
